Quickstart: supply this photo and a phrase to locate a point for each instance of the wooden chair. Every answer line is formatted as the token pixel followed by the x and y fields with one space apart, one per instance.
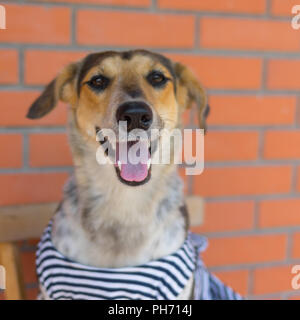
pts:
pixel 28 222
pixel 19 223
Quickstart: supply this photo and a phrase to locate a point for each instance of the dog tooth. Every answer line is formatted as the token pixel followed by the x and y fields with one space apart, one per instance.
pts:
pixel 119 164
pixel 148 163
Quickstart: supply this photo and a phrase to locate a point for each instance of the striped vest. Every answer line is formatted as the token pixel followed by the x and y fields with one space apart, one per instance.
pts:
pixel 161 279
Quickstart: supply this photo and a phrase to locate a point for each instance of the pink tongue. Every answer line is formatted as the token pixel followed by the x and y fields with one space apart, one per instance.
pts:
pixel 134 172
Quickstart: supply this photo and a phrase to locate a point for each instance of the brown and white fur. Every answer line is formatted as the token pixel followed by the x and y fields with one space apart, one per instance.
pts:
pixel 102 221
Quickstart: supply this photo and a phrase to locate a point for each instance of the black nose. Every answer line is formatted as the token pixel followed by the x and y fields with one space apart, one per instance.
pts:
pixel 138 115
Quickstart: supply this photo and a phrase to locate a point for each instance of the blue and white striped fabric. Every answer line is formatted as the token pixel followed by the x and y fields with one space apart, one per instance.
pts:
pixel 162 279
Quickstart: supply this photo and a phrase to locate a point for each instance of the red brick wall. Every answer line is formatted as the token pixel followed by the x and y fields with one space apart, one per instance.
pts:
pixel 244 52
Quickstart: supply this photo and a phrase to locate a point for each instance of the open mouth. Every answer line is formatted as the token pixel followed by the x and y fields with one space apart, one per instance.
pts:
pixel 132 160
pixel 136 171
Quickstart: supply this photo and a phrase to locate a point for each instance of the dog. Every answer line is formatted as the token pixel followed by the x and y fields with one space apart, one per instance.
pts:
pixel 111 216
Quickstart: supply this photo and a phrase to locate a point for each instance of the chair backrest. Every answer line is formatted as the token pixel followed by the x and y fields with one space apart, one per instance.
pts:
pixel 12 276
pixel 24 222
pixel 19 223
pixel 28 221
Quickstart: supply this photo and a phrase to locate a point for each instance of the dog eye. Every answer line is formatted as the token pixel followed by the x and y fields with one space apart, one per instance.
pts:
pixel 157 79
pixel 98 82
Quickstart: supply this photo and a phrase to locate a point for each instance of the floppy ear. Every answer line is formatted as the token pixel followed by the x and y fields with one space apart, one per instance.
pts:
pixel 61 88
pixel 189 90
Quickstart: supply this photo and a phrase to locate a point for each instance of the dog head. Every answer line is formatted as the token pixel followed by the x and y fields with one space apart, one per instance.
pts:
pixel 139 89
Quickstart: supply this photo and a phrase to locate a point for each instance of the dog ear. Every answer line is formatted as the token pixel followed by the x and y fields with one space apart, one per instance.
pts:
pixel 61 88
pixel 189 91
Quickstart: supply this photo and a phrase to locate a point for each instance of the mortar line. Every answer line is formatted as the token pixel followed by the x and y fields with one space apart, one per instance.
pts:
pixel 154 7
pixel 217 92
pixel 42 129
pixel 238 53
pixel 295 178
pixel 107 7
pixel 256 216
pixel 297 112
pixel 227 163
pixel 261 144
pixel 289 246
pixel 197 33
pixel 190 185
pixel 73 26
pixel 248 266
pixel 268 10
pixel 265 197
pixel 250 281
pixel 264 75
pixel 87 6
pixel 251 232
pixel 54 169
pixel 21 66
pixel 25 151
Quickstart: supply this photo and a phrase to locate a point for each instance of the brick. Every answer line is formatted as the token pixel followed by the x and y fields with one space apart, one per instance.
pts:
pixel 230 6
pixel 229 145
pixel 28 267
pixel 245 249
pixel 32 293
pixel 270 297
pixel 23 188
pixel 283 74
pixel 33 242
pixel 11 150
pixel 296 246
pixel 237 280
pixel 9 66
pixel 127 3
pixel 279 213
pixel 227 216
pixel 212 71
pixel 223 146
pixel 251 110
pixel 15 105
pixel 186 116
pixel 140 29
pixel 272 279
pixel 282 144
pixel 298 180
pixel 47 150
pixel 282 8
pixel 237 181
pixel 37 24
pixel 248 34
pixel 52 62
